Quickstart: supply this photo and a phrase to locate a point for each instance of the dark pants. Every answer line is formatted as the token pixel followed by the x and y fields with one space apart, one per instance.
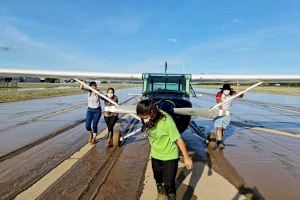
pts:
pixel 165 173
pixel 92 115
pixel 110 122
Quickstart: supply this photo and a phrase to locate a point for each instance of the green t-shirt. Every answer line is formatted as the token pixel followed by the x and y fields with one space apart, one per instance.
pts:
pixel 163 139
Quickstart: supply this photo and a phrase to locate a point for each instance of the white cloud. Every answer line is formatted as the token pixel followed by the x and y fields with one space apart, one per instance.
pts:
pixel 173 40
pixel 37 54
pixel 123 25
pixel 242 49
pixel 236 20
pixel 231 23
pixel 254 51
pixel 5 47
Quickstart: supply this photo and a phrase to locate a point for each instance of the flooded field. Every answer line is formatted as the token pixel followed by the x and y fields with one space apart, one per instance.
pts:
pixel 38 137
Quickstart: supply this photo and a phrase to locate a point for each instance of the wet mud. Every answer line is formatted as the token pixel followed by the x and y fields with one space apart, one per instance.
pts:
pixel 21 112
pixel 105 173
pixel 21 136
pixel 76 182
pixel 126 178
pixel 216 161
pixel 20 149
pixel 260 165
pixel 21 171
pixel 187 191
pixel 268 162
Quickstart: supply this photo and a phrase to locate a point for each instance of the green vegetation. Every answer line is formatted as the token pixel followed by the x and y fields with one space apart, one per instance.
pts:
pixel 282 89
pixel 35 85
pixel 44 85
pixel 14 95
pixel 10 95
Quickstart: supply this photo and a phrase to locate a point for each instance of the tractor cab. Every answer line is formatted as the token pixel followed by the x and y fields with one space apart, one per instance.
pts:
pixel 176 84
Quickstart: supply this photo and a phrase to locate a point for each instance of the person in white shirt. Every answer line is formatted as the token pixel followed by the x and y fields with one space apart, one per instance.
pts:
pixel 222 122
pixel 93 113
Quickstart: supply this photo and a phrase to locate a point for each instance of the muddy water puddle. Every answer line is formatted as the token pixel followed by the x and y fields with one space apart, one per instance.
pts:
pixel 257 163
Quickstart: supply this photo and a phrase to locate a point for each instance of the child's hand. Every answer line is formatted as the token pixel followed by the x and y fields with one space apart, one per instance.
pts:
pixel 188 162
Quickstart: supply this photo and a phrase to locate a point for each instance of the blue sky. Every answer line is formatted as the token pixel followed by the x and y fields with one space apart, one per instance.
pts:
pixel 194 36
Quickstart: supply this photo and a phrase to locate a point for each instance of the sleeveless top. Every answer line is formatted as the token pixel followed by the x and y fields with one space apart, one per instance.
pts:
pixel 93 100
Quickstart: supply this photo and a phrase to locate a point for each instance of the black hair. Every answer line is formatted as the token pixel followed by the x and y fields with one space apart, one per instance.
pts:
pixel 93 83
pixel 111 89
pixel 147 107
pixel 226 86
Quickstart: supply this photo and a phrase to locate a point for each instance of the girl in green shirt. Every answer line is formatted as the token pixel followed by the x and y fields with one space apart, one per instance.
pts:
pixel 165 141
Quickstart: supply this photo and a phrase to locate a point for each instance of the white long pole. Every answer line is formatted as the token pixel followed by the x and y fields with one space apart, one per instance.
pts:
pixel 101 95
pixel 237 95
pixel 131 134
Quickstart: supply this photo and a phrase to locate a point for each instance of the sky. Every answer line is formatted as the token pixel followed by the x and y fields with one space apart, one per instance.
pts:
pixel 193 36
